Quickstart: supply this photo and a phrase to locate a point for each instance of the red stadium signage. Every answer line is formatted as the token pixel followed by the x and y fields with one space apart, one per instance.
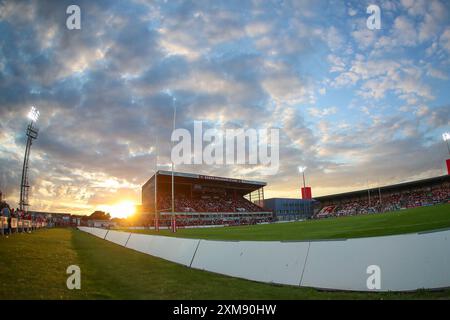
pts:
pixel 448 166
pixel 306 193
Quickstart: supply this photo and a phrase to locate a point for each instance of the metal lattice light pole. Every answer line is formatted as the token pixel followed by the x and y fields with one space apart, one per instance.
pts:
pixel 32 134
pixel 302 171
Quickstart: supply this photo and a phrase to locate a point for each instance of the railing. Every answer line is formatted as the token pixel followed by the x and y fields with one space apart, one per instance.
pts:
pixel 15 225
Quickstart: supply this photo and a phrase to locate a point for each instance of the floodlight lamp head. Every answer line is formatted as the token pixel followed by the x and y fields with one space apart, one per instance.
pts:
pixel 301 169
pixel 33 115
pixel 446 136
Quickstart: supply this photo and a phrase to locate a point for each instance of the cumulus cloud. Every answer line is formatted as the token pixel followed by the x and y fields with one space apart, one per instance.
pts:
pixel 107 92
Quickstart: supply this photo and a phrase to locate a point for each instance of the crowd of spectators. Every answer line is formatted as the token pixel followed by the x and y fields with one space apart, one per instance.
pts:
pixel 15 213
pixel 183 221
pixel 208 204
pixel 214 209
pixel 387 202
pixel 10 213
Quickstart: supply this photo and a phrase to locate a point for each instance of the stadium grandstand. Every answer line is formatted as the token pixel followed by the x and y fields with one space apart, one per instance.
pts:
pixel 395 197
pixel 202 200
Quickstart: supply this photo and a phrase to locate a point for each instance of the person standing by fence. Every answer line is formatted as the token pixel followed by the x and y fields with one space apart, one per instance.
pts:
pixel 6 213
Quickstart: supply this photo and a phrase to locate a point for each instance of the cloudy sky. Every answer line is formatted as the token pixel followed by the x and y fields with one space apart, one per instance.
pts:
pixel 358 107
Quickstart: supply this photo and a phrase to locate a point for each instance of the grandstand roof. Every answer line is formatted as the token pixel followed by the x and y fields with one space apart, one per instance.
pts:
pixel 393 187
pixel 249 185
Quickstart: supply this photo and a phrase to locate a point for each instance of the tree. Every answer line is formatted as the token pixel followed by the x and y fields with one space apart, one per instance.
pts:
pixel 100 215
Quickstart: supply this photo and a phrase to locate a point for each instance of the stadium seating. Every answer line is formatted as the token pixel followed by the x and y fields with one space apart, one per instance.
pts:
pixel 208 204
pixel 387 202
pixel 326 211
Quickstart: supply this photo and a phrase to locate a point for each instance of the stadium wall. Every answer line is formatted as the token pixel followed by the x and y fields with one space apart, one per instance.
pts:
pixel 120 238
pixel 100 233
pixel 407 262
pixel 272 262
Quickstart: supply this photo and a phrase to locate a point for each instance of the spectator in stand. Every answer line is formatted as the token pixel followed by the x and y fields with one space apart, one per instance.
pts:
pixel 389 202
pixel 209 203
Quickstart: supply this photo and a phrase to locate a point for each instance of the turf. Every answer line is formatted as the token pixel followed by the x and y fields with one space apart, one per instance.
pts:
pixel 33 266
pixel 399 222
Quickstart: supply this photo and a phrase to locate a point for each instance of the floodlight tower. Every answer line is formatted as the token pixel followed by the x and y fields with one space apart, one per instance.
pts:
pixel 32 134
pixel 302 171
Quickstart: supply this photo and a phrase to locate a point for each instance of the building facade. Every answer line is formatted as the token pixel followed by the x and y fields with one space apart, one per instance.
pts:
pixel 290 209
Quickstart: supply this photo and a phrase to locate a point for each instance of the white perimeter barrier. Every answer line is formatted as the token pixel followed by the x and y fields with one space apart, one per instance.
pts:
pixel 406 262
pixel 172 249
pixel 100 233
pixel 177 250
pixel 120 238
pixel 275 262
pixel 140 242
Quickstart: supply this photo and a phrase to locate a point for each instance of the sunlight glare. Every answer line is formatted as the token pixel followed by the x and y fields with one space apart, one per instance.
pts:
pixel 122 209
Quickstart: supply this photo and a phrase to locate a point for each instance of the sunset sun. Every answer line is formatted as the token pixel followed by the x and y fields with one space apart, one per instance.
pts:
pixel 122 209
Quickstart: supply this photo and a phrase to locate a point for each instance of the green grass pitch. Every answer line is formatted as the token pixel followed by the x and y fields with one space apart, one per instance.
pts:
pixel 33 266
pixel 399 222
